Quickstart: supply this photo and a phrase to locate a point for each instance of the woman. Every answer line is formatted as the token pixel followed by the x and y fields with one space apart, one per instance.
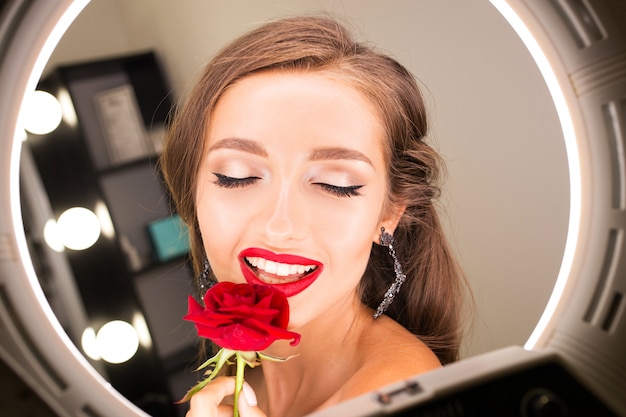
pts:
pixel 298 161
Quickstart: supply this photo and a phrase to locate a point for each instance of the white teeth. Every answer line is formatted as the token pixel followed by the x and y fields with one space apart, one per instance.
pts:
pixel 282 270
pixel 272 281
pixel 271 267
pixel 277 268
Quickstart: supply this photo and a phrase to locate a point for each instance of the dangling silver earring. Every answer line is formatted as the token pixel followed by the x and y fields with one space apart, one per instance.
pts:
pixel 204 282
pixel 387 240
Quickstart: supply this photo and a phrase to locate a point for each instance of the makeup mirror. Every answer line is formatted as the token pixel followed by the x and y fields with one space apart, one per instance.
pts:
pixel 586 88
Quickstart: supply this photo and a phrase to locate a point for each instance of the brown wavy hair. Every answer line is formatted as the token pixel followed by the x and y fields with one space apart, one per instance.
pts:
pixel 430 302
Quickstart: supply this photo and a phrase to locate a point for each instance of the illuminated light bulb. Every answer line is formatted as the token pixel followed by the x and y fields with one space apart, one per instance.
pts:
pixel 42 113
pixel 88 342
pixel 67 108
pixel 140 325
pixel 117 341
pixel 79 228
pixel 106 224
pixel 52 236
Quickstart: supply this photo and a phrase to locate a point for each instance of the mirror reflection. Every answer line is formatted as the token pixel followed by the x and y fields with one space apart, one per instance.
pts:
pixel 505 195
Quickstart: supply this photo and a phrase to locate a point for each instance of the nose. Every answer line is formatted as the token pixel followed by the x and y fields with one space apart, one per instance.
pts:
pixel 285 216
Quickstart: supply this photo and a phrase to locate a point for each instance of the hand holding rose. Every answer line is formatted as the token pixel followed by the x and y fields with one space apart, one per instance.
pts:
pixel 209 401
pixel 243 320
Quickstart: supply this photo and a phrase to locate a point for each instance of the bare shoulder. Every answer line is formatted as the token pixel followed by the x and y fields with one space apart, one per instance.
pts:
pixel 390 354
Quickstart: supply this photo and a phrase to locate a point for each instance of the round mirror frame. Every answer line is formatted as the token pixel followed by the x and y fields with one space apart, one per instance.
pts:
pixel 580 48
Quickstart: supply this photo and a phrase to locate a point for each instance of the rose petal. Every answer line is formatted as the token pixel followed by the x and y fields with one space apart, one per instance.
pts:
pixel 273 332
pixel 242 317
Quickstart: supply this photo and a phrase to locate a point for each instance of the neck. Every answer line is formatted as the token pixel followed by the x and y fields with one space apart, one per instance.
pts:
pixel 327 352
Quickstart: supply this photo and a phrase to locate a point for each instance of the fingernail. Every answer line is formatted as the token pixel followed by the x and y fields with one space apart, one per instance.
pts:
pixel 248 392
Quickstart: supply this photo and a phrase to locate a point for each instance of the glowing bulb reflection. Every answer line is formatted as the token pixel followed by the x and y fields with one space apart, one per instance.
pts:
pixel 42 113
pixel 140 325
pixel 52 236
pixel 106 224
pixel 67 108
pixel 117 341
pixel 78 228
pixel 88 342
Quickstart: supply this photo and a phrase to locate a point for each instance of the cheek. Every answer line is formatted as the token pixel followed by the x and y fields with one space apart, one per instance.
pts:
pixel 353 227
pixel 222 227
pixel 350 257
pixel 350 240
pixel 219 211
pixel 220 216
pixel 346 239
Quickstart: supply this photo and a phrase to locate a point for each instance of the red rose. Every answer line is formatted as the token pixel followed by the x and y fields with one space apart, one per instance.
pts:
pixel 242 317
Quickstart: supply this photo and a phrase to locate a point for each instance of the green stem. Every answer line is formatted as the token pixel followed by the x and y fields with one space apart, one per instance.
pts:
pixel 241 366
pixel 217 362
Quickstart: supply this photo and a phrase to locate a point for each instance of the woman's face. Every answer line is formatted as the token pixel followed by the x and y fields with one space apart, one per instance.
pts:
pixel 291 189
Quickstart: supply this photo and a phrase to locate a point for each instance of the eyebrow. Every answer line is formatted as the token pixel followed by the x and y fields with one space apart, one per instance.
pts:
pixel 239 144
pixel 253 147
pixel 338 153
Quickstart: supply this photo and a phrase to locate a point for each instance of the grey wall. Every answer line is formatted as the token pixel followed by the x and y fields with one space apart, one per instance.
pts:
pixel 506 197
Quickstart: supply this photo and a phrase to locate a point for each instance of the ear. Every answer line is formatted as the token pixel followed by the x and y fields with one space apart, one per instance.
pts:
pixel 389 221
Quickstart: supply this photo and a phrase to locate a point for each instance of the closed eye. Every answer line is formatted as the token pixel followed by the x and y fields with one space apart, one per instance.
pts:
pixel 349 191
pixel 225 181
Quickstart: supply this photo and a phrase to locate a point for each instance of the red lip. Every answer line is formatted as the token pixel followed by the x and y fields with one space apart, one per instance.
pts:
pixel 288 289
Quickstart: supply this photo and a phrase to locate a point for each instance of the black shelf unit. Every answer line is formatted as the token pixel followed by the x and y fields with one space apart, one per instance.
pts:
pixel 84 163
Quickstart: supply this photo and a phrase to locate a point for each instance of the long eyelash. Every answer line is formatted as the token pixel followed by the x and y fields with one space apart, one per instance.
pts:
pixel 340 191
pixel 230 182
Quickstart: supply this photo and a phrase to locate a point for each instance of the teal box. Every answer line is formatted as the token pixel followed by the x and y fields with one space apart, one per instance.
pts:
pixel 170 238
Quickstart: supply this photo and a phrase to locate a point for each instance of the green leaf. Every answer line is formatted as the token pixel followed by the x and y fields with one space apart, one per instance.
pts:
pixel 274 358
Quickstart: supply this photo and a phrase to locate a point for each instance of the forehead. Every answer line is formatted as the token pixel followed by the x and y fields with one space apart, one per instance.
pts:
pixel 322 82
pixel 273 99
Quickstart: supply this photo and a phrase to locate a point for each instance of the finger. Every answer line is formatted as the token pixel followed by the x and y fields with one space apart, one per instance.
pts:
pixel 248 403
pixel 225 411
pixel 222 411
pixel 208 401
